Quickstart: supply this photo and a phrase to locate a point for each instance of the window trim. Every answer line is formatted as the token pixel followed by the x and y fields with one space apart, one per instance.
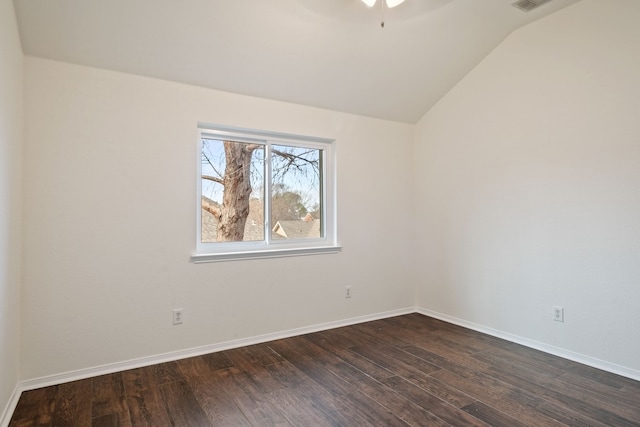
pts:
pixel 267 248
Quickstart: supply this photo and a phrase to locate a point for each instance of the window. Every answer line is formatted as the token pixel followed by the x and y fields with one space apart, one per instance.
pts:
pixel 263 194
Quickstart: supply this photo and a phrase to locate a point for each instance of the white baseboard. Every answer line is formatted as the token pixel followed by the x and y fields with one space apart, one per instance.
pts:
pixel 212 348
pixel 80 374
pixel 11 406
pixel 556 351
pixel 197 351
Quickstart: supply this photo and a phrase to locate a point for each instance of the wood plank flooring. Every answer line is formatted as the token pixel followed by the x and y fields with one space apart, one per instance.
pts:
pixel 407 370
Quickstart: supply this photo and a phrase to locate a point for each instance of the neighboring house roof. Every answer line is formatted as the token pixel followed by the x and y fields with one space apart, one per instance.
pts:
pixel 296 229
pixel 308 227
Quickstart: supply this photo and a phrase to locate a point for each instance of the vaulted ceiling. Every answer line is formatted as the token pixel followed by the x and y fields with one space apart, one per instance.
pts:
pixel 326 53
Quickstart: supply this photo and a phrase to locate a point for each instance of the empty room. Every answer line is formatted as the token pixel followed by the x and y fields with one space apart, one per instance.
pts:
pixel 320 212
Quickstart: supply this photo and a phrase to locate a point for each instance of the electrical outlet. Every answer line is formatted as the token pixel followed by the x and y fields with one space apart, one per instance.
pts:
pixel 347 291
pixel 177 316
pixel 558 314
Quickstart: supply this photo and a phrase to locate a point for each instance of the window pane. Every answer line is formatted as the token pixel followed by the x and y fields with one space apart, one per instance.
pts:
pixel 296 202
pixel 232 191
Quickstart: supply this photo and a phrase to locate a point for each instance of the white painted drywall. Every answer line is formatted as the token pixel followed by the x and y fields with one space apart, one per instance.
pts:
pixel 528 186
pixel 110 222
pixel 11 76
pixel 526 181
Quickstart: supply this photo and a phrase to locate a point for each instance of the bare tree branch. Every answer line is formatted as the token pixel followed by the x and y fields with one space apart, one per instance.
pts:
pixel 211 209
pixel 296 162
pixel 292 158
pixel 204 155
pixel 213 178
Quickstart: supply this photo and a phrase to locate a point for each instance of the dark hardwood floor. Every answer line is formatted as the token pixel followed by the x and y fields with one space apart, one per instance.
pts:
pixel 406 370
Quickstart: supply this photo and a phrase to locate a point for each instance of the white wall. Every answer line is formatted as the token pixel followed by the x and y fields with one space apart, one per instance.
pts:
pixel 110 222
pixel 525 174
pixel 528 187
pixel 11 69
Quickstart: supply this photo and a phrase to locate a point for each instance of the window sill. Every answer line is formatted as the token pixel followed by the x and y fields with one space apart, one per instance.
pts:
pixel 199 258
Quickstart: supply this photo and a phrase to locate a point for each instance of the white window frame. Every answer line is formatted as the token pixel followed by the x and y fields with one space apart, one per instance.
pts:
pixel 270 248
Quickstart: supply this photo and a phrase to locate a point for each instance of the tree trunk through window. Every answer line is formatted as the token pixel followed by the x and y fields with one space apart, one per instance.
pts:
pixel 235 172
pixel 237 191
